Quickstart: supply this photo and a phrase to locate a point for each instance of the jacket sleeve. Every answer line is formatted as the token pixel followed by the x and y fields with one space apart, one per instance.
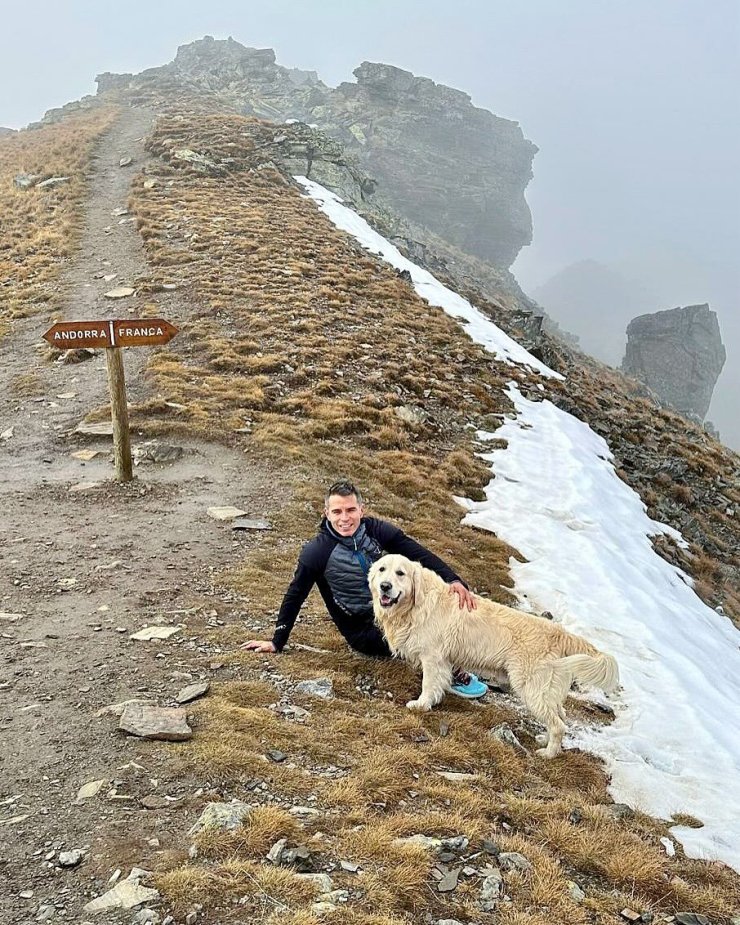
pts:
pixel 394 540
pixel 310 567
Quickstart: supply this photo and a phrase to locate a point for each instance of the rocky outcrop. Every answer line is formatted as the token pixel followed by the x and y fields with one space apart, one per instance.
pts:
pixel 4 132
pixel 436 159
pixel 679 354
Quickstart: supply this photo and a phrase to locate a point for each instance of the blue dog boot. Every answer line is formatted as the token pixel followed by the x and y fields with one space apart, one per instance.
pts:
pixel 471 689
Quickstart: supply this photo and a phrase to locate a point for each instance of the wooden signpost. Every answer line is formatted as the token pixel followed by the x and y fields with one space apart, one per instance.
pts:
pixel 112 335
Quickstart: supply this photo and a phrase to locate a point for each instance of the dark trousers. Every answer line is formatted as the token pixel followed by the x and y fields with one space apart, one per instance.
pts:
pixel 369 641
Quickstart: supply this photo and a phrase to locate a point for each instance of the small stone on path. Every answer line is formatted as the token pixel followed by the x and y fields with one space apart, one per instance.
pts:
pixel 245 523
pixel 94 428
pixel 155 632
pixel 169 724
pixel 448 883
pixel 193 691
pixel 225 513
pixel 71 858
pixel 90 790
pixel 120 292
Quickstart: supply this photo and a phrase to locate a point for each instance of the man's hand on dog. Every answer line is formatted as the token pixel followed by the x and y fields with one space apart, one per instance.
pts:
pixel 465 598
pixel 259 645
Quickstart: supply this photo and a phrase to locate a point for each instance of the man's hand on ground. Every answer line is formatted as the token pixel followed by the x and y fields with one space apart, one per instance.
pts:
pixel 259 645
pixel 465 598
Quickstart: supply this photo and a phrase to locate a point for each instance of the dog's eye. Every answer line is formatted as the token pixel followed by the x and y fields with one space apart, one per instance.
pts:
pixel 400 573
pixel 382 568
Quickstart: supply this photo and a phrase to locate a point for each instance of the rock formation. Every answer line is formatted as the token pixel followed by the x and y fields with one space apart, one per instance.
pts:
pixel 4 132
pixel 679 354
pixel 443 163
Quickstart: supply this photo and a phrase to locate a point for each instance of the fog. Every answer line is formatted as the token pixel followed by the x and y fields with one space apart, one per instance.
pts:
pixel 633 106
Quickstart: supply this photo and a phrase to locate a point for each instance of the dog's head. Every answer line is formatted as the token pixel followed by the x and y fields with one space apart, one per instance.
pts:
pixel 392 584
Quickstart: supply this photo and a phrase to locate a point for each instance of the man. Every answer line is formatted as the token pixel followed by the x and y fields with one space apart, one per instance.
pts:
pixel 338 559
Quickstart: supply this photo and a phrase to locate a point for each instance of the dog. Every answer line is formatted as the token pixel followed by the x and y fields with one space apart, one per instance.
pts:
pixel 423 624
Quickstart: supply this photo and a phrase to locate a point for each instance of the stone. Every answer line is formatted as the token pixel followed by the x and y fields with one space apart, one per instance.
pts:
pixel 576 892
pixel 169 724
pixel 410 415
pixel 86 455
pixel 620 811
pixel 51 182
pixel 246 523
pixel 448 922
pixel 349 866
pixel 127 894
pixel 71 858
pixel 324 883
pixel 276 756
pixel 155 632
pixel 512 860
pixel 120 292
pixel 87 791
pixel 125 161
pixel 154 801
pixel 448 883
pixel 423 841
pixel 276 852
pixel 6 617
pixel 146 917
pixel 491 891
pixel 504 733
pixel 193 691
pixel 224 817
pixel 25 180
pixel 225 513
pixel 303 811
pixel 629 915
pixel 320 687
pixel 155 452
pixel 94 428
pixel 299 858
pixel 691 918
pixel 678 354
pixel 457 776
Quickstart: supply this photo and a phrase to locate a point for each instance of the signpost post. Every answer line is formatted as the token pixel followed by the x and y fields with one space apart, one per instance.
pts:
pixel 112 335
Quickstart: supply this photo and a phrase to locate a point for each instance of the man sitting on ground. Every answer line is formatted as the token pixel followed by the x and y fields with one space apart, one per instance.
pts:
pixel 338 559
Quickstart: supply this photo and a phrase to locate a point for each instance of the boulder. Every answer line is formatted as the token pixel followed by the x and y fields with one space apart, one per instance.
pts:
pixel 678 354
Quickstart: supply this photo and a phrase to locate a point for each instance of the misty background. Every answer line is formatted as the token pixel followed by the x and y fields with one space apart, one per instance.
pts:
pixel 635 197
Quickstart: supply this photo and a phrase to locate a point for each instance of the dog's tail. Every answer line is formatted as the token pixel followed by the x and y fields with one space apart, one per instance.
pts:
pixel 598 670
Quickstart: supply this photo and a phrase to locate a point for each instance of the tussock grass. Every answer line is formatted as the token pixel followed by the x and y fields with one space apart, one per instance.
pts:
pixel 40 228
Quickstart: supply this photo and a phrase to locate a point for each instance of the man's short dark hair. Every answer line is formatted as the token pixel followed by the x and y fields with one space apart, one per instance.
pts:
pixel 344 488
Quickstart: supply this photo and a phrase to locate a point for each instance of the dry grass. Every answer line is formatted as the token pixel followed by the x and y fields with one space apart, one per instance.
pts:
pixel 312 344
pixel 40 228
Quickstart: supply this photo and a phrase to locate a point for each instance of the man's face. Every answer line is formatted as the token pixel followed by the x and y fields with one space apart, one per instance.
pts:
pixel 344 513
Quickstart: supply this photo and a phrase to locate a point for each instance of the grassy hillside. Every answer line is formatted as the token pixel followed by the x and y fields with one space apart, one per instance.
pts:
pixel 305 350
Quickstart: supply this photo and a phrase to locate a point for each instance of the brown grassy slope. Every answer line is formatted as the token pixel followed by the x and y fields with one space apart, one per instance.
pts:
pixel 310 345
pixel 39 228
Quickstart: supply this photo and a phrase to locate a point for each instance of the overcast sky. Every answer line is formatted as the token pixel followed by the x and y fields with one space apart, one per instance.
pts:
pixel 633 103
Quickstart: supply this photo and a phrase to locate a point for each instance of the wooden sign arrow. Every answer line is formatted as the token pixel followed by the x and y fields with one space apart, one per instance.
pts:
pixel 137 332
pixel 113 334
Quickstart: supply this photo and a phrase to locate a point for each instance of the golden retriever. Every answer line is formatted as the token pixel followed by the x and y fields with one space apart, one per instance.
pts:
pixel 423 624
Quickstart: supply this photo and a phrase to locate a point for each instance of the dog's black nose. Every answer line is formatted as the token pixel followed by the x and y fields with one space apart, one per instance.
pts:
pixel 385 586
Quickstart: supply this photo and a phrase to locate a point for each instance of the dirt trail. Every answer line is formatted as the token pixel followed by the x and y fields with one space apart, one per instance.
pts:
pixel 83 570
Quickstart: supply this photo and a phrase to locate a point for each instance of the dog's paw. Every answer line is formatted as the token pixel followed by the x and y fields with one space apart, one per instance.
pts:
pixel 418 705
pixel 542 739
pixel 547 752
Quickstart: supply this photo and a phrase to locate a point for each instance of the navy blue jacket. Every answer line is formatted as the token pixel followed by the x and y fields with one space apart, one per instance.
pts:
pixel 338 565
